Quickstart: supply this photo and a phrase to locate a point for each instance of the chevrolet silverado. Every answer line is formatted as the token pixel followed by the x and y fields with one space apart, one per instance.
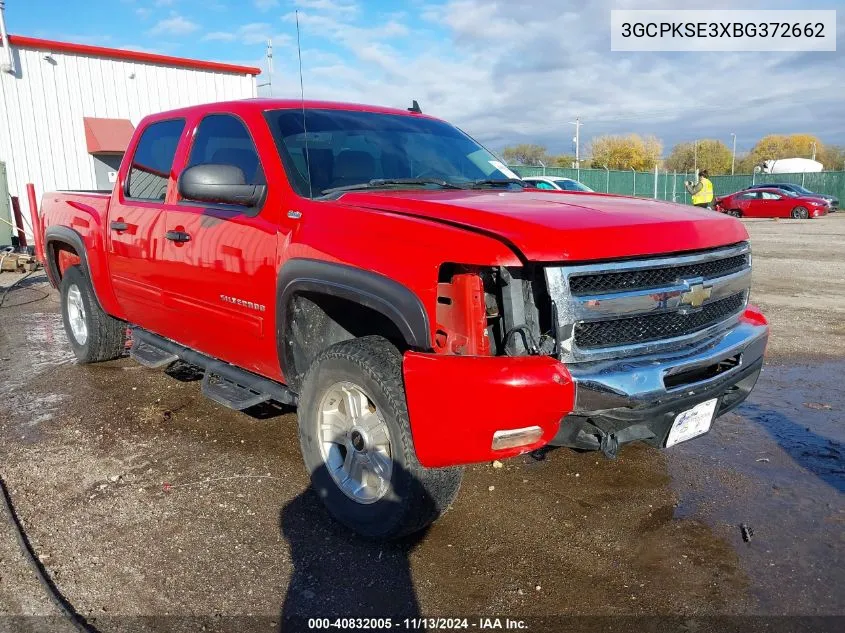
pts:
pixel 418 303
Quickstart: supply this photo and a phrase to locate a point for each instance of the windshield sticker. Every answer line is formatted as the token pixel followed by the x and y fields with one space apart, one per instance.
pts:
pixel 504 169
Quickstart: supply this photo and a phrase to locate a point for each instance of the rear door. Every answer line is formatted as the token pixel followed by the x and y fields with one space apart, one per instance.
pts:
pixel 745 202
pixel 220 274
pixel 135 232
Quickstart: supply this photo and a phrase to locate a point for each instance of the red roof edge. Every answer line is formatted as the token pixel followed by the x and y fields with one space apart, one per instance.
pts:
pixel 136 56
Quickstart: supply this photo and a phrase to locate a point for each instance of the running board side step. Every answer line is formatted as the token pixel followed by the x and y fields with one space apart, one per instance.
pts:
pixel 224 383
pixel 149 356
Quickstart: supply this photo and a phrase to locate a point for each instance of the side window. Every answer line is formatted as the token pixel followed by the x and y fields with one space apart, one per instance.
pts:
pixel 542 184
pixel 150 168
pixel 751 195
pixel 768 195
pixel 223 139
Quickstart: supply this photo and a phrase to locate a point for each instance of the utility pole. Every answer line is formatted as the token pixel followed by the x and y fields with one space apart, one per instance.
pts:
pixel 269 57
pixel 695 158
pixel 577 124
pixel 814 150
pixel 733 158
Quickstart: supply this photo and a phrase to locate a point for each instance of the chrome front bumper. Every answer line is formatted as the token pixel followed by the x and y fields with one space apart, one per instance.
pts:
pixel 638 398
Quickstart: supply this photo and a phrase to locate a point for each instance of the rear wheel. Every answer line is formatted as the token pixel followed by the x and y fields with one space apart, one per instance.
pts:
pixel 800 213
pixel 357 446
pixel 93 334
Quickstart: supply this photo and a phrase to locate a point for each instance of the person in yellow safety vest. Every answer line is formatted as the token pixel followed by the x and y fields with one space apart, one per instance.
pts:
pixel 702 191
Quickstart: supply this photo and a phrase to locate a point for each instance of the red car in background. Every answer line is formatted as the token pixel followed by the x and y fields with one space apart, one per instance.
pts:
pixel 772 203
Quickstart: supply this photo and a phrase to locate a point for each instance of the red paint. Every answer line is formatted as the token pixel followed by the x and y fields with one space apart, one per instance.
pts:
pixel 107 135
pixel 23 41
pixel 37 229
pixel 777 204
pixel 67 259
pixel 564 226
pixel 456 403
pixel 754 316
pixel 462 317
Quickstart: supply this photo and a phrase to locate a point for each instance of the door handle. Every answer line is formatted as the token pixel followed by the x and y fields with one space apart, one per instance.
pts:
pixel 119 226
pixel 177 236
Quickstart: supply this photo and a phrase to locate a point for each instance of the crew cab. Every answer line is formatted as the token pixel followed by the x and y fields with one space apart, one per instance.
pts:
pixel 423 308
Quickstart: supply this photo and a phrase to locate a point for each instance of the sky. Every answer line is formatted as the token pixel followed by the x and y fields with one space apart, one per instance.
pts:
pixel 504 72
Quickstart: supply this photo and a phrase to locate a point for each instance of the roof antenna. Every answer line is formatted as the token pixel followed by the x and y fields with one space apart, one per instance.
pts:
pixel 415 108
pixel 302 100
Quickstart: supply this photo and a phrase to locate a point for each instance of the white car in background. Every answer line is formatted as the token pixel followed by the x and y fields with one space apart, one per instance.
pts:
pixel 556 183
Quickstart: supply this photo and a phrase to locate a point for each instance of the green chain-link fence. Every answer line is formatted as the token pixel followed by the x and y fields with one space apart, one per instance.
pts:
pixel 670 185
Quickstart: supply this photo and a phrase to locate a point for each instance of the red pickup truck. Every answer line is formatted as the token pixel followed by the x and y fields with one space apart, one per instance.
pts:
pixel 422 307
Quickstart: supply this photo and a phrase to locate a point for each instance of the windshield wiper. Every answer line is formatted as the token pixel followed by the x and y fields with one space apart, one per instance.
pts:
pixel 377 183
pixel 498 182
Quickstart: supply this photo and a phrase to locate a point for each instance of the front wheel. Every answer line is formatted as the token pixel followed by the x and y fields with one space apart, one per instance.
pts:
pixel 357 446
pixel 735 213
pixel 93 334
pixel 800 213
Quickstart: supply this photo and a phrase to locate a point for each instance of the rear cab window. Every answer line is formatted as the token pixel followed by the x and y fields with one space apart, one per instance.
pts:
pixel 152 161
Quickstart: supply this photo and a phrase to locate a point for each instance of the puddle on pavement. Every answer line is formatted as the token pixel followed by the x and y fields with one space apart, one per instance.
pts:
pixel 30 345
pixel 776 465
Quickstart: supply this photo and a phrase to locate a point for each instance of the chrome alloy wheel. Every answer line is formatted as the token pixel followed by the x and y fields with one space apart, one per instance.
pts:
pixel 355 443
pixel 76 315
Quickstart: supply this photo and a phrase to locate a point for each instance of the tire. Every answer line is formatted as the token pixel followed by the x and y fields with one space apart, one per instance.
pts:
pixel 735 213
pixel 402 496
pixel 93 334
pixel 800 213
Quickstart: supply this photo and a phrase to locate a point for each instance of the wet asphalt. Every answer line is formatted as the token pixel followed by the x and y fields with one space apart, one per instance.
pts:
pixel 143 499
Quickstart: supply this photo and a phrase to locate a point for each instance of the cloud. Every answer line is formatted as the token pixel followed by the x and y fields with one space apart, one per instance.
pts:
pixel 520 72
pixel 266 5
pixel 329 6
pixel 250 35
pixel 174 25
pixel 219 36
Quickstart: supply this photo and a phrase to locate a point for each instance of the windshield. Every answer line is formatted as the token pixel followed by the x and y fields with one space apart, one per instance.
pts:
pixel 801 189
pixel 352 149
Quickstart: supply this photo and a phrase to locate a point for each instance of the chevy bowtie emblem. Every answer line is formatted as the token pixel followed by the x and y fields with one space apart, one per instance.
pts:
pixel 696 295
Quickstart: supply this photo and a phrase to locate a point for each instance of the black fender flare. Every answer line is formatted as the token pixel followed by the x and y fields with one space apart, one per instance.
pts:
pixel 372 290
pixel 65 235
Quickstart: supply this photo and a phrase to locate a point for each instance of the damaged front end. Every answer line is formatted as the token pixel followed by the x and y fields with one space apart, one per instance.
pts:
pixel 638 342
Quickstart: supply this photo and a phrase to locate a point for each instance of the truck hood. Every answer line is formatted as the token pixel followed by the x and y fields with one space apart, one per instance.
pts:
pixel 565 226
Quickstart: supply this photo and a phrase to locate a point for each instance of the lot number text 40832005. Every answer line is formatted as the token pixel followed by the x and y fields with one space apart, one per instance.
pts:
pixel 418 624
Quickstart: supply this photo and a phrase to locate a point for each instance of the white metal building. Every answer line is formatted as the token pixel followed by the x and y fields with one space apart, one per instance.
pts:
pixel 67 111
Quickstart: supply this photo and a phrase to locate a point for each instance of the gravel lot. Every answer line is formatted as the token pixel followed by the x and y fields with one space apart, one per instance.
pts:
pixel 144 499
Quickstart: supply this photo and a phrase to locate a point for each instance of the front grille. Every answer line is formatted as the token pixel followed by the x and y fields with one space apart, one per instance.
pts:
pixel 605 282
pixel 644 329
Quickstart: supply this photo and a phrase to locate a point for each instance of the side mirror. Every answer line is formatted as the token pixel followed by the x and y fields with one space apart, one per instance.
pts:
pixel 221 184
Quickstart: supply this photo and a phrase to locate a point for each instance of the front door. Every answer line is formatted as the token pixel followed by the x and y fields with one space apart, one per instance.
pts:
pixel 776 205
pixel 220 261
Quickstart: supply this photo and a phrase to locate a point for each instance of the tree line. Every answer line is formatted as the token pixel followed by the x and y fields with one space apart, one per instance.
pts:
pixel 644 154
